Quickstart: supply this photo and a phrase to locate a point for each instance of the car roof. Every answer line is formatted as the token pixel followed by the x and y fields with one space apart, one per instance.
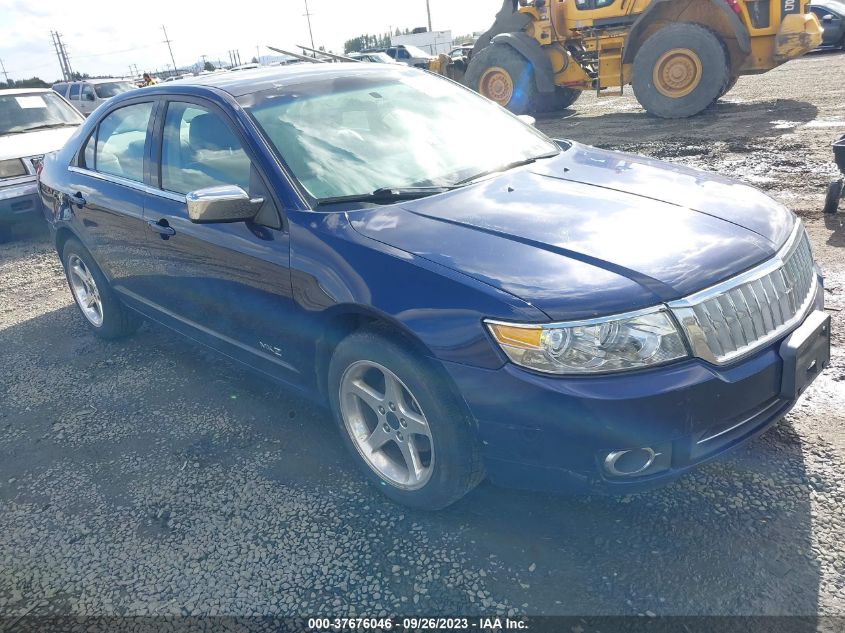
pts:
pixel 103 80
pixel 23 91
pixel 246 82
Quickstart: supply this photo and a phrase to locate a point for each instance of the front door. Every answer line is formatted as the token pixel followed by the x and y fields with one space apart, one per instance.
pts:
pixel 225 284
pixel 105 193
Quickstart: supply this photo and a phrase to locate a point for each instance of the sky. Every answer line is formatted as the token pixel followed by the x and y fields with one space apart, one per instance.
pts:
pixel 103 37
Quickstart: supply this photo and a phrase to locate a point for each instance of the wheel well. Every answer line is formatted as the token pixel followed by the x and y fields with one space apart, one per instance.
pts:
pixel 339 326
pixel 717 17
pixel 62 236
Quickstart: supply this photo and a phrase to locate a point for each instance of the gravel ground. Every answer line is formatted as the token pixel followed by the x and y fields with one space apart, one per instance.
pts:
pixel 151 477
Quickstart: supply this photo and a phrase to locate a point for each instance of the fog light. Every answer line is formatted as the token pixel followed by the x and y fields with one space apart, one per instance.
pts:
pixel 638 461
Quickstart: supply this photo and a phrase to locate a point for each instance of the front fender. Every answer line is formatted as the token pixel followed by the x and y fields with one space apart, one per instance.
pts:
pixel 530 49
pixel 632 41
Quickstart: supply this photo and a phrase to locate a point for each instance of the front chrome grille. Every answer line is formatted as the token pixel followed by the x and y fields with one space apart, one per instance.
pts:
pixel 743 314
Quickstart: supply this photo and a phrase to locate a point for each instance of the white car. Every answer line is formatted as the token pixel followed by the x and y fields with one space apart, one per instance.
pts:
pixel 33 122
pixel 86 96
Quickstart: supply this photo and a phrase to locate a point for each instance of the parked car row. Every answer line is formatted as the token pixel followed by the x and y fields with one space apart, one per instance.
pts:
pixel 86 96
pixel 33 122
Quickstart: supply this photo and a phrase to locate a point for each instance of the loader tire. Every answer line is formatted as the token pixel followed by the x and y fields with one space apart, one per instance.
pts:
pixel 504 76
pixel 680 70
pixel 730 85
pixel 561 99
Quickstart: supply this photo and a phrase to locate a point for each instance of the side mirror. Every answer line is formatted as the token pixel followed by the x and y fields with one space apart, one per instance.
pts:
pixel 527 119
pixel 828 18
pixel 222 205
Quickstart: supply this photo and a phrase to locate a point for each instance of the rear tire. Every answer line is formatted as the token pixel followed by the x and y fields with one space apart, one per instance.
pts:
pixel 504 76
pixel 391 403
pixel 680 70
pixel 834 195
pixel 101 310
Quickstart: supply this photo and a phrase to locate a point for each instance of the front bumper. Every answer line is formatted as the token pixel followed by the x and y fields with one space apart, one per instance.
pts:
pixel 554 433
pixel 19 201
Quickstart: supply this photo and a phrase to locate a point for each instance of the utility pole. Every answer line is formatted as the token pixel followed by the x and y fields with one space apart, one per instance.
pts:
pixel 3 66
pixel 310 31
pixel 167 41
pixel 428 10
pixel 61 53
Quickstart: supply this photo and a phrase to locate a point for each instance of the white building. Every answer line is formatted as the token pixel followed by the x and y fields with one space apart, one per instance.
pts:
pixel 433 42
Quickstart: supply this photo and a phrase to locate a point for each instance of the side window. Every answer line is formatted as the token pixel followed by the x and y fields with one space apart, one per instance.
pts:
pixel 200 150
pixel 88 92
pixel 121 139
pixel 403 54
pixel 86 156
pixel 74 92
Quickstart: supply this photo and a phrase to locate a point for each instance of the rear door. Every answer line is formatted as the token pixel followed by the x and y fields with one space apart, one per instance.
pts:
pixel 227 285
pixel 105 191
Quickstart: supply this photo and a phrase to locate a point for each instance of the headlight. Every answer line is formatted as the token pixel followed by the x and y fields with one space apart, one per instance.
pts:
pixel 12 168
pixel 632 341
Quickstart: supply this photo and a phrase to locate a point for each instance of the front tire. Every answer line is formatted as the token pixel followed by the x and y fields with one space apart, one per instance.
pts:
pixel 680 70
pixel 834 194
pixel 100 308
pixel 502 75
pixel 405 427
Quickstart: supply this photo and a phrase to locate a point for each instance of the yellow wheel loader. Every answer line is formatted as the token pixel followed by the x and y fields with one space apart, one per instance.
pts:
pixel 679 55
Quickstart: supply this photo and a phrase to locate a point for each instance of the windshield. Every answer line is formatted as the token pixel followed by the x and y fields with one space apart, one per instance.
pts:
pixel 109 90
pixel 352 135
pixel 38 110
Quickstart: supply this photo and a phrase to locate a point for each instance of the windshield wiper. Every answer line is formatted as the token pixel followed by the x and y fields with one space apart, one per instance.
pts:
pixel 44 126
pixel 386 195
pixel 504 168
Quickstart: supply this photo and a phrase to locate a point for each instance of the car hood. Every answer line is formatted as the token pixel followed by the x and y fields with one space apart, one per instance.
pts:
pixel 590 232
pixel 34 143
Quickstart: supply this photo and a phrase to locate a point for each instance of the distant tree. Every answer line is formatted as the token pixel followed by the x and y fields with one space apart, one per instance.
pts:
pixel 210 67
pixel 254 60
pixel 364 42
pixel 32 82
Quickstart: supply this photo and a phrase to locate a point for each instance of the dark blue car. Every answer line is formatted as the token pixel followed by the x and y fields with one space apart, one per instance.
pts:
pixel 470 297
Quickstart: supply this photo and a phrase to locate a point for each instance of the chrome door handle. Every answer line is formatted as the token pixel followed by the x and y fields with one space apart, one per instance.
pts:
pixel 77 199
pixel 162 228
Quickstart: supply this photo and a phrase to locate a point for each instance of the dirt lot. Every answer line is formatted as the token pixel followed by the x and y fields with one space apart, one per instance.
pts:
pixel 150 477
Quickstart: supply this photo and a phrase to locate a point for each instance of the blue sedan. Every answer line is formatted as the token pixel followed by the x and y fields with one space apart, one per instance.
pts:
pixel 468 296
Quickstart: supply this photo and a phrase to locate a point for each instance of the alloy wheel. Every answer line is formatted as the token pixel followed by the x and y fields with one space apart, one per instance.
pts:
pixel 386 425
pixel 85 290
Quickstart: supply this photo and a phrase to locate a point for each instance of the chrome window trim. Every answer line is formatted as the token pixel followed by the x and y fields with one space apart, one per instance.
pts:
pixel 126 182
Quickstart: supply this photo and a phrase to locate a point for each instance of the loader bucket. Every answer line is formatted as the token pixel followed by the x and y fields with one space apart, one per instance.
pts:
pixel 799 34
